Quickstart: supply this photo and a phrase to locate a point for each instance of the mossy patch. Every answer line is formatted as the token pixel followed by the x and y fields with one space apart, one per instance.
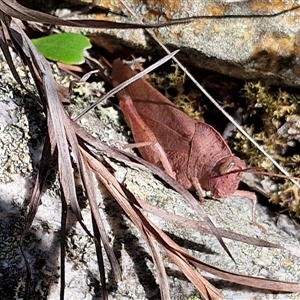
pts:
pixel 271 116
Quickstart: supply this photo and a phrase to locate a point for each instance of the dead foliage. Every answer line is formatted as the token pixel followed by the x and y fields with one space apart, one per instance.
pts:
pixel 68 144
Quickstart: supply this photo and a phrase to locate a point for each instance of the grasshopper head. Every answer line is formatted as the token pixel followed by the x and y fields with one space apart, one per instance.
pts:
pixel 222 183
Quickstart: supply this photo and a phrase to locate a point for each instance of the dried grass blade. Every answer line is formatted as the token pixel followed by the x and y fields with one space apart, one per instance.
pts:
pixel 160 268
pixel 141 221
pixel 89 185
pixel 56 117
pixel 113 186
pixel 34 204
pixel 206 289
pixel 63 222
pixel 241 279
pixel 256 282
pixel 4 42
pixel 98 227
pixel 14 9
pixel 85 173
pixel 57 137
pixel 176 253
pixel 65 133
pixel 4 47
pixel 100 259
pixel 65 169
pixel 62 137
pixel 200 226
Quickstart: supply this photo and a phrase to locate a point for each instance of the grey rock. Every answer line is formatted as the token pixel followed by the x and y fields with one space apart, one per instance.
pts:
pixel 138 282
pixel 245 48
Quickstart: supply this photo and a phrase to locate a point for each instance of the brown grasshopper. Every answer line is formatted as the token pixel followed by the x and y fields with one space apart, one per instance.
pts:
pixel 192 152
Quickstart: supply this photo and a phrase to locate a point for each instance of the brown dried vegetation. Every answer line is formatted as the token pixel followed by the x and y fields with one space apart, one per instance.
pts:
pixel 67 144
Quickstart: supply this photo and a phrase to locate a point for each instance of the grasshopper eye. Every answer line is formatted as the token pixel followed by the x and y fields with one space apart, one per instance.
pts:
pixel 226 167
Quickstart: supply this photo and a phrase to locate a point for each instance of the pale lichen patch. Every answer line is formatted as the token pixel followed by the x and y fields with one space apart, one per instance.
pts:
pixel 20 132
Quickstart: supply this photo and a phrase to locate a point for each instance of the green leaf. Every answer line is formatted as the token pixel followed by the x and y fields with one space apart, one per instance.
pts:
pixel 67 48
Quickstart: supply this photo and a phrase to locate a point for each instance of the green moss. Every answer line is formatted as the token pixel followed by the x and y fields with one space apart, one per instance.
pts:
pixel 274 113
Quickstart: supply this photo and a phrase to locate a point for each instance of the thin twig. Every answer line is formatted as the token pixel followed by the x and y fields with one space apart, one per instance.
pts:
pixel 127 82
